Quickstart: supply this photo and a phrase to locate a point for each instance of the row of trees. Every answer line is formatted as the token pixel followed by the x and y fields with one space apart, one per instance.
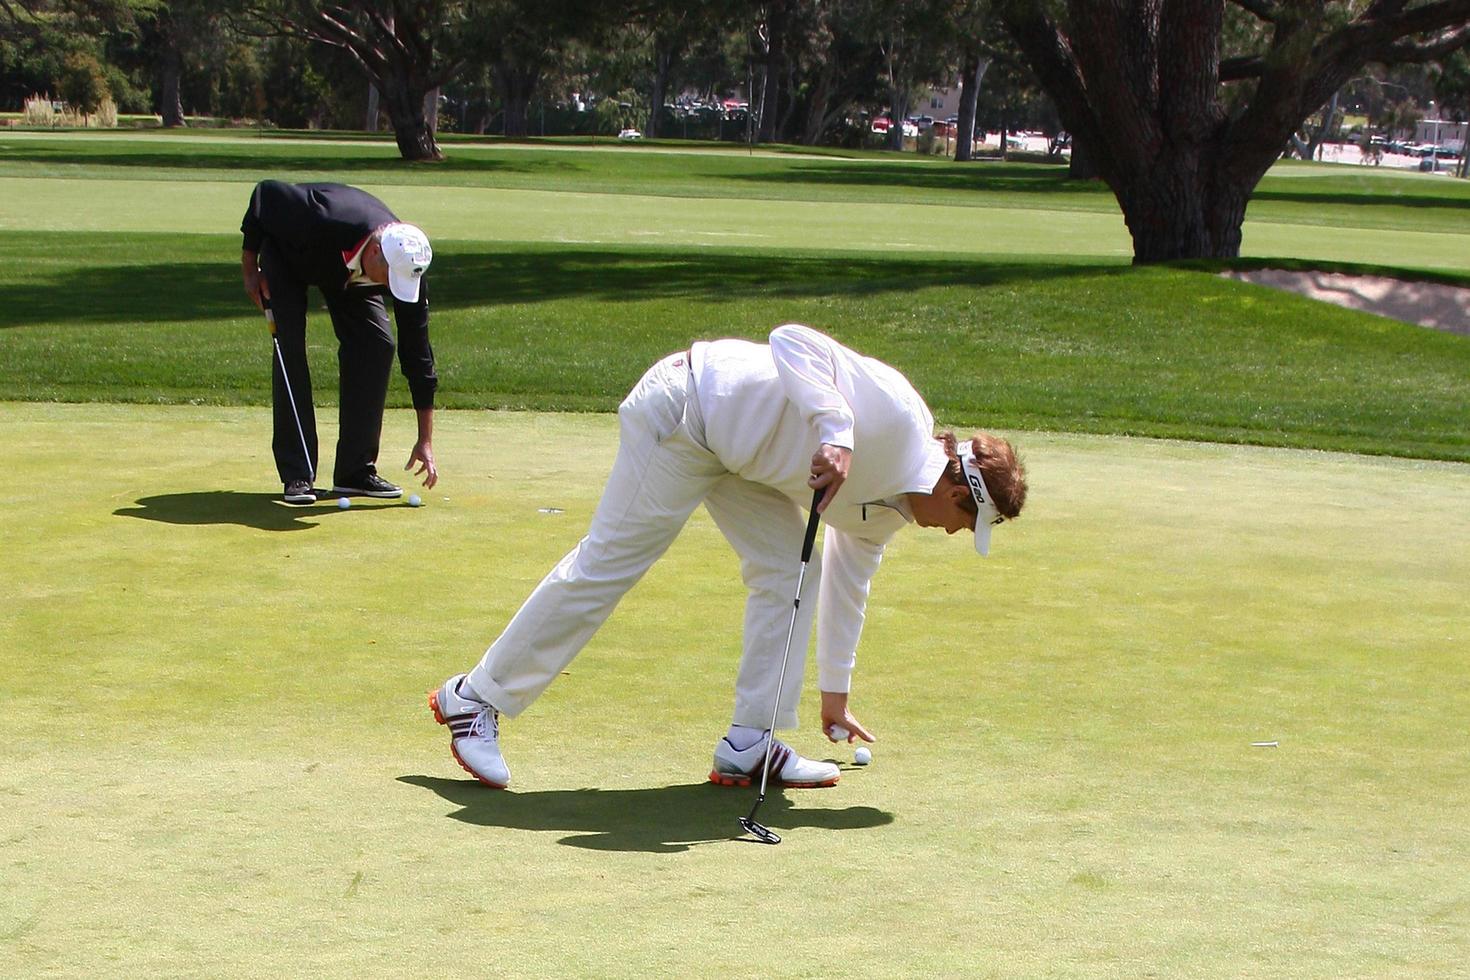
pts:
pixel 1179 105
pixel 809 66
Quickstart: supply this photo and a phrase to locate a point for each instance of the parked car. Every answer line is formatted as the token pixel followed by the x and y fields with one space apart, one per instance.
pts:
pixel 1435 150
pixel 630 134
pixel 881 125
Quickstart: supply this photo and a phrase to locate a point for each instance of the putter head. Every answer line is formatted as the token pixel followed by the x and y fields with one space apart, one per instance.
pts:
pixel 759 831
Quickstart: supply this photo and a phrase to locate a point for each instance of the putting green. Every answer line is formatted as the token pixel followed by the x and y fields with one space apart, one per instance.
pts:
pixel 217 758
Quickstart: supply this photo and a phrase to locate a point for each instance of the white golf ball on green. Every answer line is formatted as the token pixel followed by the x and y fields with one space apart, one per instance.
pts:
pixel 862 756
pixel 343 503
pixel 413 500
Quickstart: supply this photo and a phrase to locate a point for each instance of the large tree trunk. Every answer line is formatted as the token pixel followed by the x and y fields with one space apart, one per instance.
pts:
pixel 663 61
pixel 898 110
pixel 517 83
pixel 1175 211
pixel 784 126
pixel 411 130
pixel 171 109
pixel 816 110
pixel 1080 165
pixel 775 62
pixel 971 76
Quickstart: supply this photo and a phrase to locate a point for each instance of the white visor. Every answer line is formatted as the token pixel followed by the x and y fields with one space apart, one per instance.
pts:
pixel 407 252
pixel 987 516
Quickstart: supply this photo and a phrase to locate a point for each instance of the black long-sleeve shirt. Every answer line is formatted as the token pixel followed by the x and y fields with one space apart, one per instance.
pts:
pixel 315 229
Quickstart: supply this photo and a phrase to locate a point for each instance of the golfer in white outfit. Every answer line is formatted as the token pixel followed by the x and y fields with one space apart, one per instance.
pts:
pixel 749 430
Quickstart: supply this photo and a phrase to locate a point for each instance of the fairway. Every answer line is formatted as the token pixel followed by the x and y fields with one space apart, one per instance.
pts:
pixel 217 757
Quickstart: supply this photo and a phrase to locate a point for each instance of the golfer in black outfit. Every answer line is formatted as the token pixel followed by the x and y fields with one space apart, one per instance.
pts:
pixel 349 245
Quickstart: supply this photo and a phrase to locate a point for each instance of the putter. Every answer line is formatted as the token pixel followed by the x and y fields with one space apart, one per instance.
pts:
pixel 752 826
pixel 270 320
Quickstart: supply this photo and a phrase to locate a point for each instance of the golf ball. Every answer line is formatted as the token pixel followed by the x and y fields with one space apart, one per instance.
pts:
pixel 414 501
pixel 343 503
pixel 839 733
pixel 862 756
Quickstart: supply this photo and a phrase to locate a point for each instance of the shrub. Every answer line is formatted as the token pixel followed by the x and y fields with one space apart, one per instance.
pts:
pixel 624 111
pixel 106 116
pixel 39 111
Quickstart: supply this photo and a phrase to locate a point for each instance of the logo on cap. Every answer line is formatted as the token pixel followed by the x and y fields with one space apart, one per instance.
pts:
pixel 987 515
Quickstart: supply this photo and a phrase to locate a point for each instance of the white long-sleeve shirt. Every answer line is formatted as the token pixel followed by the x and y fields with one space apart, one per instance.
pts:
pixel 767 408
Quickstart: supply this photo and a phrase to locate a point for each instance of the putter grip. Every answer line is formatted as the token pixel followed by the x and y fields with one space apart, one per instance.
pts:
pixel 270 316
pixel 811 526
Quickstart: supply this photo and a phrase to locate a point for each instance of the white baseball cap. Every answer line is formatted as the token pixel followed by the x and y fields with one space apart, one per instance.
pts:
pixel 407 252
pixel 987 516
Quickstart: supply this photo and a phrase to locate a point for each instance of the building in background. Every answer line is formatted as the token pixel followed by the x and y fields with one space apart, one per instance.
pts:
pixel 1441 132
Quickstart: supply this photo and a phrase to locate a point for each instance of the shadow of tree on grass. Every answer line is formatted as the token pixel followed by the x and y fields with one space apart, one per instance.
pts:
pixel 655 819
pixel 480 275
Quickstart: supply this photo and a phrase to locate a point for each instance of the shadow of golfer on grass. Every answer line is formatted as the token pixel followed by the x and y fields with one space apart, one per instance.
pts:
pixel 656 819
pixel 263 511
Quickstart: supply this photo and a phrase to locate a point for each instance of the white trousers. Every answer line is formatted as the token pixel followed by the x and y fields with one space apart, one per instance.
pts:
pixel 662 472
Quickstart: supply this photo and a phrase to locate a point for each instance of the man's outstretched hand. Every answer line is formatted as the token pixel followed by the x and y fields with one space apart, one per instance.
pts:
pixel 423 455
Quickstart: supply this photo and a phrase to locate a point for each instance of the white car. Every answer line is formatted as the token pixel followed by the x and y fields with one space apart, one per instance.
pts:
pixel 630 134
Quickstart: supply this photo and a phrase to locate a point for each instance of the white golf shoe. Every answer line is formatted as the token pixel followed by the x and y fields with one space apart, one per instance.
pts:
pixel 740 768
pixel 474 733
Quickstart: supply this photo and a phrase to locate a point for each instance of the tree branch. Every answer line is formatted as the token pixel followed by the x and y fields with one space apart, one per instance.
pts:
pixel 1261 9
pixel 1418 52
pixel 1382 33
pixel 1241 68
pixel 1382 9
pixel 1430 17
pixel 1050 55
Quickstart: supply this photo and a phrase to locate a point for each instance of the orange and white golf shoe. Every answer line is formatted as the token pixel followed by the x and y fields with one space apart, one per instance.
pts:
pixel 474 733
pixel 740 767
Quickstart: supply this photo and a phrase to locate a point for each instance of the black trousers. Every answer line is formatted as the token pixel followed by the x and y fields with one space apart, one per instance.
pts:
pixel 364 361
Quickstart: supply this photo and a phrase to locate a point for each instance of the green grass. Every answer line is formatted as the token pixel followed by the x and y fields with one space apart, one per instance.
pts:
pixel 122 284
pixel 1000 341
pixel 217 759
pixel 1309 194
